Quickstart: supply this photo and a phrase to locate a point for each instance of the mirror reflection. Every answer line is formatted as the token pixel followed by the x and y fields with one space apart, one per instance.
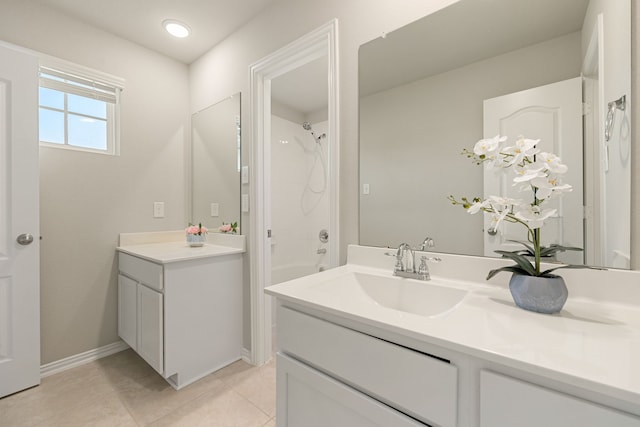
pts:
pixel 435 87
pixel 216 164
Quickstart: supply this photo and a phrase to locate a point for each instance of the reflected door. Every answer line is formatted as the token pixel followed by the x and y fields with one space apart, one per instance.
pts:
pixel 553 114
pixel 19 225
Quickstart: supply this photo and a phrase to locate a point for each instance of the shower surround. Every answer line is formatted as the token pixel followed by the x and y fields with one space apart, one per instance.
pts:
pixel 299 198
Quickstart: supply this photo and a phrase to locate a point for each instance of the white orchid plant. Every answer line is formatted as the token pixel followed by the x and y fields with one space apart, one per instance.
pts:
pixel 535 171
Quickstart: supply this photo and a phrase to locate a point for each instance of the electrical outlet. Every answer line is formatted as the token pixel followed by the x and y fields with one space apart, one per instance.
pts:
pixel 158 209
pixel 215 209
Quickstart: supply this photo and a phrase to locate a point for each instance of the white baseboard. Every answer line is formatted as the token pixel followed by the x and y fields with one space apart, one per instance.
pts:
pixel 82 358
pixel 246 355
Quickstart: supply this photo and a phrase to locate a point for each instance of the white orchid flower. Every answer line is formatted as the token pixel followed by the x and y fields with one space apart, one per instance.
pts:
pixel 502 206
pixel 496 219
pixel 552 163
pixel 549 186
pixel 529 172
pixel 477 207
pixel 488 147
pixel 534 217
pixel 523 148
pixel 499 203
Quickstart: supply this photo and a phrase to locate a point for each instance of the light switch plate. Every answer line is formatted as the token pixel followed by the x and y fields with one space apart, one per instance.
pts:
pixel 365 189
pixel 158 209
pixel 215 209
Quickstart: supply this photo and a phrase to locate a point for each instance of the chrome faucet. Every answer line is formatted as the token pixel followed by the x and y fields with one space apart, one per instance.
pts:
pixel 405 264
pixel 405 261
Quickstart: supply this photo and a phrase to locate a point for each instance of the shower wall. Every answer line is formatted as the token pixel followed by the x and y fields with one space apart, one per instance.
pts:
pixel 299 199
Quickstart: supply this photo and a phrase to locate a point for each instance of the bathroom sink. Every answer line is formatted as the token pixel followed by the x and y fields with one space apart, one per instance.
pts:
pixel 424 298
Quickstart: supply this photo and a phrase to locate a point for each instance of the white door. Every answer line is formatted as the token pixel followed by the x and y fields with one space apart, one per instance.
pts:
pixel 553 114
pixel 19 263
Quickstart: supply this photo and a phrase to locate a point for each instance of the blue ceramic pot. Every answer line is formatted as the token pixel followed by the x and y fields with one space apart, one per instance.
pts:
pixel 540 294
pixel 195 240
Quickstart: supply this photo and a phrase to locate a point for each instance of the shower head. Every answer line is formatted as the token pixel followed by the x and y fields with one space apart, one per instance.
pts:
pixel 306 126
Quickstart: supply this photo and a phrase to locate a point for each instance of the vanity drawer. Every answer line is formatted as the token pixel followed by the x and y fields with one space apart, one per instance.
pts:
pixel 143 271
pixel 506 402
pixel 412 382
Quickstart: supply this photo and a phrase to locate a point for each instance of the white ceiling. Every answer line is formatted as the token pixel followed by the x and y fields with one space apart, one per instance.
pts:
pixel 140 21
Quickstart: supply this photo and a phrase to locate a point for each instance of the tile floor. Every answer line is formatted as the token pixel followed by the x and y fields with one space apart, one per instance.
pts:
pixel 122 390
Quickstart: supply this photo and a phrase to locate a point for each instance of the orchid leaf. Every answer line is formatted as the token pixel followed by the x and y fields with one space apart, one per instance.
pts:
pixel 530 249
pixel 520 260
pixel 511 268
pixel 547 272
pixel 554 248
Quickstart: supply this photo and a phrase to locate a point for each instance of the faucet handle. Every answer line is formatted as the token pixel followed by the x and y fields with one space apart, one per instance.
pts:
pixel 427 243
pixel 423 269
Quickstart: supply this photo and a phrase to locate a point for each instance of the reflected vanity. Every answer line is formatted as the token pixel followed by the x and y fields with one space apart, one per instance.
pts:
pixel 417 116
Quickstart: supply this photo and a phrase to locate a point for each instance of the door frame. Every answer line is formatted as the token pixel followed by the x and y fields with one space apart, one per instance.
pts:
pixel 316 44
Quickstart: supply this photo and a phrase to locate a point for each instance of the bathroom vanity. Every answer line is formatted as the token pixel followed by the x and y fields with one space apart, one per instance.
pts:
pixel 180 308
pixel 359 347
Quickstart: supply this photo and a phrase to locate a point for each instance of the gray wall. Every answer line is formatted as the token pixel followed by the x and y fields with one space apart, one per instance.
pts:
pixel 87 199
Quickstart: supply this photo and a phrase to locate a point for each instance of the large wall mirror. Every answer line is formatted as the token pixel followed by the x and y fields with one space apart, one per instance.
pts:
pixel 427 89
pixel 215 166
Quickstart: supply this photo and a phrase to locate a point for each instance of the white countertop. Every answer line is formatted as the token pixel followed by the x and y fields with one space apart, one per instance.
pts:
pixel 167 247
pixel 590 344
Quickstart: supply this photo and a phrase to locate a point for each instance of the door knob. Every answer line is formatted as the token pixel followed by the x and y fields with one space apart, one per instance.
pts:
pixel 25 239
pixel 492 232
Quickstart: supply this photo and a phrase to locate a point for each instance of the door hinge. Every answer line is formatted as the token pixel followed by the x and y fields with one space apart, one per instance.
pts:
pixel 269 233
pixel 586 108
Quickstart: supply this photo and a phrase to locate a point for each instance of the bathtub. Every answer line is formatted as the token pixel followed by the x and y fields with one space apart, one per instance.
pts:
pixel 289 272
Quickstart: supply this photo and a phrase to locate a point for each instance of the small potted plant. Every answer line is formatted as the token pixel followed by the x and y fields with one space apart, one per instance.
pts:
pixel 540 173
pixel 196 235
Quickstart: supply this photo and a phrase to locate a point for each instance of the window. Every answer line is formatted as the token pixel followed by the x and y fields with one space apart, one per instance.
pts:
pixel 78 111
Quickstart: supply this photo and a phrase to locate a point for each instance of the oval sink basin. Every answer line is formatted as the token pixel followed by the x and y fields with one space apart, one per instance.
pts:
pixel 424 298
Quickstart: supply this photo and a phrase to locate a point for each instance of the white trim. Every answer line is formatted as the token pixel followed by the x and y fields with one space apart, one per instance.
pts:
pixel 245 355
pixel 320 42
pixel 81 359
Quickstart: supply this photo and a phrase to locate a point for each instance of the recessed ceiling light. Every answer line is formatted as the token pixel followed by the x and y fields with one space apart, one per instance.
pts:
pixel 176 28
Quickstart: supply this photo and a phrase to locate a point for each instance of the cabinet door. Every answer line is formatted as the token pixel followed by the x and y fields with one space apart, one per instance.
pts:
pixel 507 402
pixel 150 327
pixel 306 397
pixel 127 308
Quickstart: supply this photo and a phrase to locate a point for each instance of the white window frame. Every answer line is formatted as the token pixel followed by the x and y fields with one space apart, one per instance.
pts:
pixel 97 85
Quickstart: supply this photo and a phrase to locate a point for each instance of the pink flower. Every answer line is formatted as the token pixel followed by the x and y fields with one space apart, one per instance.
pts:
pixel 194 229
pixel 225 228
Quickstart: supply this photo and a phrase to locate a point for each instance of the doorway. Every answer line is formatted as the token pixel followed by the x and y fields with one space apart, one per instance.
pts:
pixel 319 179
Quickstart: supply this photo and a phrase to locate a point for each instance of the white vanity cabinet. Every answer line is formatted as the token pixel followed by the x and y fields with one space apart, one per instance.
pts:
pixel 410 385
pixel 181 314
pixel 329 374
pixel 481 362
